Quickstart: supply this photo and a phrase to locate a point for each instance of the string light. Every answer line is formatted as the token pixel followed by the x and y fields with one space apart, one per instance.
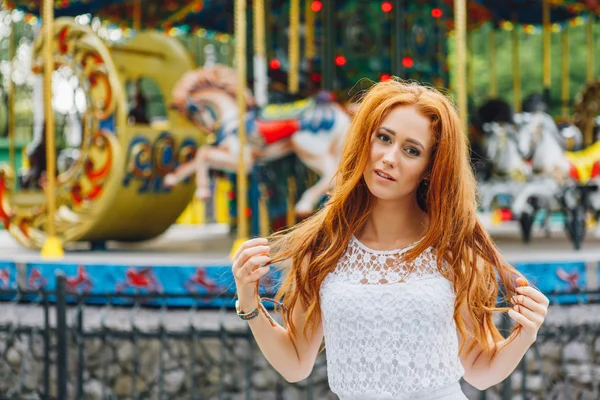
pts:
pixel 340 61
pixel 274 64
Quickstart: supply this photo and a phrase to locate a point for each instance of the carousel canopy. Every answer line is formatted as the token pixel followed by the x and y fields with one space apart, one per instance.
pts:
pixel 209 14
pixel 529 12
pixel 217 15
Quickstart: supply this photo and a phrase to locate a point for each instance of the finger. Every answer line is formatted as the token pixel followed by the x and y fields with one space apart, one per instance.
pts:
pixel 248 254
pixel 522 282
pixel 256 275
pixel 252 264
pixel 530 315
pixel 530 304
pixel 250 243
pixel 520 319
pixel 534 294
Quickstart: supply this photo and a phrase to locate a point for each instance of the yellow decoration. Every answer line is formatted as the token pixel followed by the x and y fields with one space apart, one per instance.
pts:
pixel 584 161
pixel 52 248
pixel 194 214
pixel 496 217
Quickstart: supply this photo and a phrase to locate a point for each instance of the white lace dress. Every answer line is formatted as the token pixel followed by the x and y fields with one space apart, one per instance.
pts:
pixel 390 334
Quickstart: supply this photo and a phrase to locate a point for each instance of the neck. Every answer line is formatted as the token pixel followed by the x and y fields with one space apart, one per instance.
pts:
pixel 393 225
pixel 225 105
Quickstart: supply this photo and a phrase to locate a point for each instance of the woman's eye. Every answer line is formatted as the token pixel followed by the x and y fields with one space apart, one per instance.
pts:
pixel 413 152
pixel 383 137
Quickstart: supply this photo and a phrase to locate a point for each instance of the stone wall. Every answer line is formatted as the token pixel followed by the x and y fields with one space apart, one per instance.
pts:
pixel 567 360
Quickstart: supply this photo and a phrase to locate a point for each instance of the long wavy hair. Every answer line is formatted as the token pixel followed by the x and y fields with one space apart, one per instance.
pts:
pixel 462 245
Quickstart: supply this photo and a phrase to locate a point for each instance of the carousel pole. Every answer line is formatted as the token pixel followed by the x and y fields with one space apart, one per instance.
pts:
pixel 564 49
pixel 310 54
pixel 546 49
pixel 291 200
pixel 52 247
pixel 263 218
pixel 137 15
pixel 470 69
pixel 11 103
pixel 492 65
pixel 242 177
pixel 328 44
pixel 460 23
pixel 260 54
pixel 294 46
pixel 516 69
pixel 589 34
pixel 397 31
pixel 309 40
pixel 589 134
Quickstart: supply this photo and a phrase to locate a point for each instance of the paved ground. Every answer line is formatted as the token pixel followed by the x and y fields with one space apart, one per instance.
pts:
pixel 187 245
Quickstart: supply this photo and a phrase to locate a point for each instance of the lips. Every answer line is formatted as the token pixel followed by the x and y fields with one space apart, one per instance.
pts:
pixel 384 175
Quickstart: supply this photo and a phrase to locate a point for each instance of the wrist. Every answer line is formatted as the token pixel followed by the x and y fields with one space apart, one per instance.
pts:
pixel 246 305
pixel 525 339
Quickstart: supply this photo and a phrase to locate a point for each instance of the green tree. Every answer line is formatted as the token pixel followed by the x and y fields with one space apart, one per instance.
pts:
pixel 530 65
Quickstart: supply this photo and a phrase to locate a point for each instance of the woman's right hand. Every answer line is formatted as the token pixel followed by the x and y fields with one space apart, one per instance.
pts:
pixel 247 269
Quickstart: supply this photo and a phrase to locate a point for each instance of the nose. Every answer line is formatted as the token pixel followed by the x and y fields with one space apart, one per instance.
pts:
pixel 389 158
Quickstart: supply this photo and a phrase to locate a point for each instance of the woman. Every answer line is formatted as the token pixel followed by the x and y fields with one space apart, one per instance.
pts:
pixel 395 272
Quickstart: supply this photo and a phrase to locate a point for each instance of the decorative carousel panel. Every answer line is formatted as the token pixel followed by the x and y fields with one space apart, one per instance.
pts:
pixel 98 141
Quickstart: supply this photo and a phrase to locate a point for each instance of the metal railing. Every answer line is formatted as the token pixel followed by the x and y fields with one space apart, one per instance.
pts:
pixel 222 362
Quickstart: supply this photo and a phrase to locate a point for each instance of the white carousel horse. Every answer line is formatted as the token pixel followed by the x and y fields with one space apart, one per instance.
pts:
pixel 540 138
pixel 313 128
pixel 502 148
pixel 509 168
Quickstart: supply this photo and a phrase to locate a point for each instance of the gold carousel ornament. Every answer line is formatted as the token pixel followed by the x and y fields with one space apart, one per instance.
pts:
pixel 109 182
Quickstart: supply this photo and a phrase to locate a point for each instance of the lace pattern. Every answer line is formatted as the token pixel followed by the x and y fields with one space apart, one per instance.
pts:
pixel 389 327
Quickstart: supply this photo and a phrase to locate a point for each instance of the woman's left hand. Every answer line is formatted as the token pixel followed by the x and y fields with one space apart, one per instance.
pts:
pixel 529 310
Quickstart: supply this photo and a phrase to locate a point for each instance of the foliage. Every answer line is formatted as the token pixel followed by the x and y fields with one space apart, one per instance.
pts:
pixel 530 66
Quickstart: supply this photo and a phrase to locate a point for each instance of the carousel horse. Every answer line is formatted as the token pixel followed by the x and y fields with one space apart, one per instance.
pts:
pixel 500 147
pixel 313 129
pixel 540 139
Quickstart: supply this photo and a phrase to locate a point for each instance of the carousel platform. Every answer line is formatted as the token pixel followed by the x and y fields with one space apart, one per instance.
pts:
pixel 195 259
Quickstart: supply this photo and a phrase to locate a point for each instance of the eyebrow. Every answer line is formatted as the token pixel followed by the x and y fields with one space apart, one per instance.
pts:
pixel 414 141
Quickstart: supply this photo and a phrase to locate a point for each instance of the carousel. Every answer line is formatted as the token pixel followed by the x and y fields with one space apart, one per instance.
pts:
pixel 150 157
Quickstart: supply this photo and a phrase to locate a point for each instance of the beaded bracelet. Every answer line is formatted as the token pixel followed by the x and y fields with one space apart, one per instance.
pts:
pixel 247 316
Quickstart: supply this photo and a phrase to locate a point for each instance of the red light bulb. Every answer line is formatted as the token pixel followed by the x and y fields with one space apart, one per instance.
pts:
pixel 386 6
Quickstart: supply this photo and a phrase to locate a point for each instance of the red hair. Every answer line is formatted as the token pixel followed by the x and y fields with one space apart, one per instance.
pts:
pixel 315 245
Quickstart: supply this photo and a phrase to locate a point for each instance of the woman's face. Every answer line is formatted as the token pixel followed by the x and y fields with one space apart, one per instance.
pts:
pixel 401 150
